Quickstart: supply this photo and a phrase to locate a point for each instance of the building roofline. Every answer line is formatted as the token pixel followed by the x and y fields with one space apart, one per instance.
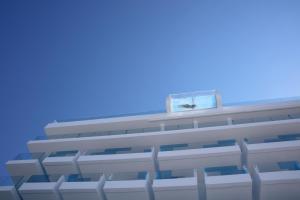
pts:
pixel 156 117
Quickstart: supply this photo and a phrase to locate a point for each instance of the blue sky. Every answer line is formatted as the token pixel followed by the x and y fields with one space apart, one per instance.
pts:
pixel 66 59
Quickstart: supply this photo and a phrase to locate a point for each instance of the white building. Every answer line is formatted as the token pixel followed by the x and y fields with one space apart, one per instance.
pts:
pixel 198 149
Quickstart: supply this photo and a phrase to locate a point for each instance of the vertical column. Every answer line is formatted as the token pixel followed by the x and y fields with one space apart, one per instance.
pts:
pixel 162 127
pixel 219 100
pixel 195 123
pixel 201 183
pixel 229 121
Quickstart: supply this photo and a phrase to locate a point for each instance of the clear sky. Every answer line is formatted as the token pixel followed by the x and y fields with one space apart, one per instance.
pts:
pixel 66 59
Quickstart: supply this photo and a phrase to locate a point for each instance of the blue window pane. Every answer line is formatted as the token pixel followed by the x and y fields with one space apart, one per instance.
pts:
pixel 289 137
pixel 63 153
pixel 77 178
pixel 171 147
pixel 225 170
pixel 164 174
pixel 210 145
pixel 38 179
pixel 226 142
pixel 235 171
pixel 205 102
pixel 289 165
pixel 142 175
pixel 221 143
pixel 221 168
pixel 272 140
pixel 116 150
pixel 97 153
pixel 166 148
pixel 167 174
pixel 111 151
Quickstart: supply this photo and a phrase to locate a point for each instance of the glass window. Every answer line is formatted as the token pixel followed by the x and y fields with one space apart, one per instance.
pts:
pixel 192 101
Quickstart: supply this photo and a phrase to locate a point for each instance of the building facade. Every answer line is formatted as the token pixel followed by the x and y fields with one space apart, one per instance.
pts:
pixel 198 149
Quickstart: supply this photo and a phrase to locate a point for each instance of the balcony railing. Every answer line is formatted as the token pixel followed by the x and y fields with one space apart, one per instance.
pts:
pixel 120 150
pixel 111 151
pixel 228 182
pixel 126 176
pixel 279 182
pixel 135 185
pixel 176 184
pixel 112 116
pixel 167 174
pixel 225 170
pixel 174 174
pixel 83 177
pixel 290 165
pixel 173 147
pixel 63 153
pixel 179 127
pixel 279 138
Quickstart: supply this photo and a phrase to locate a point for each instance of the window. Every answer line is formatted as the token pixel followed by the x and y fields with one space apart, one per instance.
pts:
pixel 192 101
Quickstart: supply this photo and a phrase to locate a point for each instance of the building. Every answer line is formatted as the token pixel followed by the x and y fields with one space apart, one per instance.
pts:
pixel 197 149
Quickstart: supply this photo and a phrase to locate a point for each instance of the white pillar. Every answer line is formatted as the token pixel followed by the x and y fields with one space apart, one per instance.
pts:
pixel 195 123
pixel 229 121
pixel 162 126
pixel 219 100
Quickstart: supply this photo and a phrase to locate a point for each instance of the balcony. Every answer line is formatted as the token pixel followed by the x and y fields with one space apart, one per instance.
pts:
pixel 281 138
pixel 61 162
pixel 185 156
pixel 129 185
pixel 25 164
pixel 41 187
pixel 181 126
pixel 106 133
pixel 280 148
pixel 8 187
pixel 227 182
pixel 281 181
pixel 128 159
pixel 208 134
pixel 86 186
pixel 176 185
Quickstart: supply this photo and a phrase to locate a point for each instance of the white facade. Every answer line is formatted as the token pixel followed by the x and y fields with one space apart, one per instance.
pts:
pixel 210 152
